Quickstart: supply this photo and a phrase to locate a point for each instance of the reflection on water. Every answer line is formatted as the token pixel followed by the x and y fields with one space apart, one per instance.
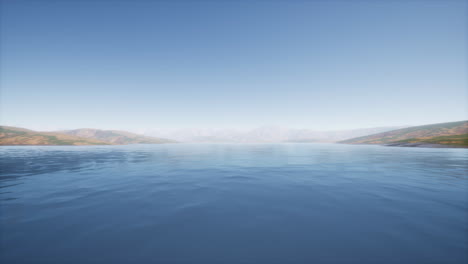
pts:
pixel 233 203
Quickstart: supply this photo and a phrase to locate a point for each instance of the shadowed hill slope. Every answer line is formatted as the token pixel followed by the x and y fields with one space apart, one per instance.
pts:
pixel 453 133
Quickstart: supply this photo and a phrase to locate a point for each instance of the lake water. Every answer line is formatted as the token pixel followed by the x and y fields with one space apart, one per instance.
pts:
pixel 233 203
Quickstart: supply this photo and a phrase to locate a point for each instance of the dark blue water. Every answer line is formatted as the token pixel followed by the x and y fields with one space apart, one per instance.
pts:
pixel 222 203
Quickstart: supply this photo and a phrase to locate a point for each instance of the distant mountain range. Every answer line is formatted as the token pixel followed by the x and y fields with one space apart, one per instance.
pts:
pixel 453 134
pixel 22 136
pixel 267 134
pixel 449 134
pixel 115 136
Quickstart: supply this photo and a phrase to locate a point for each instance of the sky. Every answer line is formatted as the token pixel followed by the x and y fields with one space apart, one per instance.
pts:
pixel 323 65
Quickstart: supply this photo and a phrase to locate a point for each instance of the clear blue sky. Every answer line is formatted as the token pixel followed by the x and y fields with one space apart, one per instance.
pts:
pixel 165 64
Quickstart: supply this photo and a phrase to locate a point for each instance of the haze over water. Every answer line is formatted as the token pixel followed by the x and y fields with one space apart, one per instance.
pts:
pixel 233 203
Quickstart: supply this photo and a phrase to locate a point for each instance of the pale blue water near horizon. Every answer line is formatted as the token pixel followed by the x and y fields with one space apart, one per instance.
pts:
pixel 233 203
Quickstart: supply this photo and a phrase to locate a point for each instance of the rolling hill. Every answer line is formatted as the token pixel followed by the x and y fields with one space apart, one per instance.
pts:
pixel 456 140
pixel 115 136
pixel 22 136
pixel 451 134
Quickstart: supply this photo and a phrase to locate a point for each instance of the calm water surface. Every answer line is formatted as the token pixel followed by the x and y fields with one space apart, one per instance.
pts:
pixel 227 203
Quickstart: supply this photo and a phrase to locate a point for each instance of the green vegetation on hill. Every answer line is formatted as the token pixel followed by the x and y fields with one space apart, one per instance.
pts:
pixel 457 140
pixel 21 136
pixel 453 133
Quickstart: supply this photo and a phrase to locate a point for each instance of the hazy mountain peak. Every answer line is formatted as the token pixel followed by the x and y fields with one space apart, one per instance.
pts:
pixel 267 133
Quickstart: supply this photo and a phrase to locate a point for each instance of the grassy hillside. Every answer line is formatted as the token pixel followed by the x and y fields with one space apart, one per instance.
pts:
pixel 21 136
pixel 457 140
pixel 453 133
pixel 115 136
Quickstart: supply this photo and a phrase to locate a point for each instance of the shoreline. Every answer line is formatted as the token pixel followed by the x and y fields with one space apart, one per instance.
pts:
pixel 422 145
